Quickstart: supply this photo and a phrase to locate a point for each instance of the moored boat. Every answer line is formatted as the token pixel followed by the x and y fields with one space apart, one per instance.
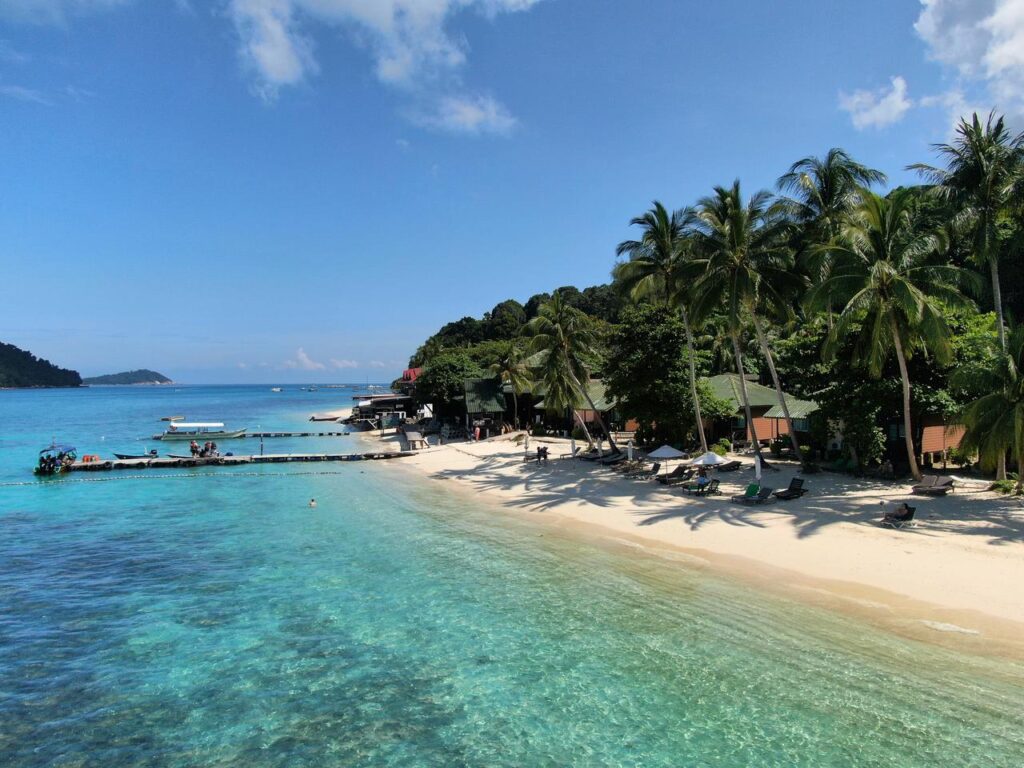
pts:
pixel 199 430
pixel 55 458
pixel 148 455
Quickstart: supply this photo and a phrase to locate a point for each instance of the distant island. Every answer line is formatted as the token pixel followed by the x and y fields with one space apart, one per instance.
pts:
pixel 20 368
pixel 141 376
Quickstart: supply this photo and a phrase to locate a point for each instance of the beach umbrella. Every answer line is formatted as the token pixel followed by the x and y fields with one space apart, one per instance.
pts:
pixel 572 446
pixel 629 450
pixel 757 468
pixel 709 459
pixel 666 452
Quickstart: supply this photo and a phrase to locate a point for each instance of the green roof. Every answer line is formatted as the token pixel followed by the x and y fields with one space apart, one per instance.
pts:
pixel 484 396
pixel 798 409
pixel 598 394
pixel 726 386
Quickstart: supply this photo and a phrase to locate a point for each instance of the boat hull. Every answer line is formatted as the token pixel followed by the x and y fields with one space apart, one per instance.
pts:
pixel 200 436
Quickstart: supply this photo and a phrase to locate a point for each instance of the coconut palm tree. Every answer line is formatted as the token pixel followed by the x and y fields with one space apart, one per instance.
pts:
pixel 657 269
pixel 566 336
pixel 994 424
pixel 889 289
pixel 983 174
pixel 748 266
pixel 511 367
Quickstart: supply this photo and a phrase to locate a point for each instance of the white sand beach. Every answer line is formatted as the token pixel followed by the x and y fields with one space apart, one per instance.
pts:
pixel 955 577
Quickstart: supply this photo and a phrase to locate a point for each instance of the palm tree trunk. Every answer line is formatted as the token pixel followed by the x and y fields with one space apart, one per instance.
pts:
pixel 583 426
pixel 586 396
pixel 997 300
pixel 743 393
pixel 693 383
pixel 515 409
pixel 905 376
pixel 767 352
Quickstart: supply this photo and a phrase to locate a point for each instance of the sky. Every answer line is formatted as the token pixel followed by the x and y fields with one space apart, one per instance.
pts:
pixel 304 190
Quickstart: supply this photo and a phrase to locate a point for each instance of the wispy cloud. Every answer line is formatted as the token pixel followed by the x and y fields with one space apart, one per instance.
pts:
pixel 53 11
pixel 304 362
pixel 21 93
pixel 408 41
pixel 342 364
pixel 877 109
pixel 473 115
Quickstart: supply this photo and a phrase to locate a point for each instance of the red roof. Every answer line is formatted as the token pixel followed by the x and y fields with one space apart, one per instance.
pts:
pixel 411 374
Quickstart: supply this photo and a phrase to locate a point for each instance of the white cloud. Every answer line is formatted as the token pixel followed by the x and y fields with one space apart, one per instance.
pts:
pixel 20 93
pixel 877 109
pixel 469 114
pixel 52 11
pixel 409 42
pixel 304 362
pixel 982 41
pixel 341 364
pixel 378 364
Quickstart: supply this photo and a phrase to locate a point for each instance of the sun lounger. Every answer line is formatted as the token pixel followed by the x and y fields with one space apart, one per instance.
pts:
pixel 933 485
pixel 763 495
pixel 613 459
pixel 901 517
pixel 710 489
pixel 749 494
pixel 645 474
pixel 729 466
pixel 795 491
pixel 571 455
pixel 678 474
pixel 594 456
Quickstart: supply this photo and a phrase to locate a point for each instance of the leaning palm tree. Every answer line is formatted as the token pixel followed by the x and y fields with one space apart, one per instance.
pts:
pixel 512 369
pixel 657 269
pixel 748 267
pixel 994 424
pixel 566 336
pixel 888 287
pixel 984 171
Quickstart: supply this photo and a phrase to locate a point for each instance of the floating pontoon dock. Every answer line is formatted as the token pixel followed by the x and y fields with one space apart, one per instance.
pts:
pixel 227 461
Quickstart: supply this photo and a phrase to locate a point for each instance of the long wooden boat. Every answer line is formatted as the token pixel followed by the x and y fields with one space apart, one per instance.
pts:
pixel 199 431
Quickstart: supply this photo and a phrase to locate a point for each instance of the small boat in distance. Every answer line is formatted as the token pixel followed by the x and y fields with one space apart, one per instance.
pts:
pixel 149 455
pixel 276 389
pixel 199 430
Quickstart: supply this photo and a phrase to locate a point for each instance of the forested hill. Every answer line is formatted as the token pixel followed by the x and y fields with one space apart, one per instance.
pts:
pixel 19 368
pixel 141 376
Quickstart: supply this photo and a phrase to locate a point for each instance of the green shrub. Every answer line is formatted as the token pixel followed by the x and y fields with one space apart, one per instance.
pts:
pixel 722 447
pixel 538 430
pixel 960 457
pixel 1004 486
pixel 778 445
pixel 578 433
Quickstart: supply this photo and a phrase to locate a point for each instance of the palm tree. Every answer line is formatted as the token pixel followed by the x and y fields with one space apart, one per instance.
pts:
pixel 511 367
pixel 995 423
pixel 883 276
pixel 747 265
pixel 566 336
pixel 983 173
pixel 657 267
pixel 819 192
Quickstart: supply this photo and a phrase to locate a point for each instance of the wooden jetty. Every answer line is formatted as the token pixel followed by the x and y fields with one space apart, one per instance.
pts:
pixel 295 434
pixel 227 461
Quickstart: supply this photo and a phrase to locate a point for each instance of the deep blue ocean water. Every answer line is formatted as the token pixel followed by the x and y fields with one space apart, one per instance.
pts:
pixel 194 618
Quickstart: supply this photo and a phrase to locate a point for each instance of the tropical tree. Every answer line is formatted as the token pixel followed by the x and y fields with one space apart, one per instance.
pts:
pixel 983 174
pixel 511 368
pixel 748 267
pixel 566 337
pixel 994 423
pixel 890 291
pixel 657 269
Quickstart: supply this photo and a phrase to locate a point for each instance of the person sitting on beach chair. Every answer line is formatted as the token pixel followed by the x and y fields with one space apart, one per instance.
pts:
pixel 899 517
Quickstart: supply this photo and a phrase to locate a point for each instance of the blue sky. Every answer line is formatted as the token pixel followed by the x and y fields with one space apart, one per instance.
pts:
pixel 303 190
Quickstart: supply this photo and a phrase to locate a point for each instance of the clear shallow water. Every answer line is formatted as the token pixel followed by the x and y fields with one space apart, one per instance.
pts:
pixel 217 620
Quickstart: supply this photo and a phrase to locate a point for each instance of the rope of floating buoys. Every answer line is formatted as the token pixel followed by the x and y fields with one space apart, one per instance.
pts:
pixel 109 479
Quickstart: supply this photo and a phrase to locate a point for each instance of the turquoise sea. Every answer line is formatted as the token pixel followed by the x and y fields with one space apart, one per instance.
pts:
pixel 211 618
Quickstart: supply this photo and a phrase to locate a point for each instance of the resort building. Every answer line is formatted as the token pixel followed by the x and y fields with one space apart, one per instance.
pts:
pixel 768 417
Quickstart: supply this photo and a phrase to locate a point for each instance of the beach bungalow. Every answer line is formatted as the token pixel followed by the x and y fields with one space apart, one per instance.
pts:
pixel 769 419
pixel 485 404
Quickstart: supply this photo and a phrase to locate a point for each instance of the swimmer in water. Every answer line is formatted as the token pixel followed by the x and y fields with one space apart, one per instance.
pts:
pixel 312 502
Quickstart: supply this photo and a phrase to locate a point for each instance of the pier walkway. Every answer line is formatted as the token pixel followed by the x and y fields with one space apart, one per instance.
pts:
pixel 228 461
